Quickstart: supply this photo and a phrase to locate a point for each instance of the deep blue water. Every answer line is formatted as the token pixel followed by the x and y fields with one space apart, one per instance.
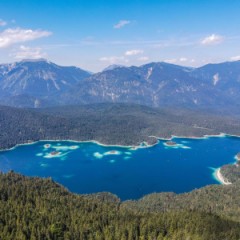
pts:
pixel 129 173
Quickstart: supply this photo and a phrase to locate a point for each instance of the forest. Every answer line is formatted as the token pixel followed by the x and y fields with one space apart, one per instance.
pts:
pixel 34 208
pixel 121 124
pixel 231 172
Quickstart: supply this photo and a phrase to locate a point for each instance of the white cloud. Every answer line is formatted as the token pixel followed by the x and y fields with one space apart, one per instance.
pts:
pixel 235 58
pixel 2 23
pixel 143 59
pixel 183 59
pixel 212 40
pixel 28 53
pixel 114 59
pixel 133 52
pixel 12 36
pixel 121 24
pixel 174 60
pixel 180 60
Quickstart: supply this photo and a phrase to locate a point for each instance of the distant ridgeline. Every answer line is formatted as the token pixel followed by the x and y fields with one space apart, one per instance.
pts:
pixel 41 83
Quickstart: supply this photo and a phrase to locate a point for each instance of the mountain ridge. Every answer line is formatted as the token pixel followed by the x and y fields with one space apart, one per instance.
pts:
pixel 161 84
pixel 29 83
pixel 157 84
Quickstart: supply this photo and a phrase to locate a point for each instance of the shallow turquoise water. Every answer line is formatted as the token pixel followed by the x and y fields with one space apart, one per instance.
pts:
pixel 129 173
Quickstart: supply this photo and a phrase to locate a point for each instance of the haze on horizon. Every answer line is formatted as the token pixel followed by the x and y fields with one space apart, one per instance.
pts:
pixel 95 34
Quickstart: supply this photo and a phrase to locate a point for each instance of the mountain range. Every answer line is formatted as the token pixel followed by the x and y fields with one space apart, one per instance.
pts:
pixel 30 83
pixel 40 83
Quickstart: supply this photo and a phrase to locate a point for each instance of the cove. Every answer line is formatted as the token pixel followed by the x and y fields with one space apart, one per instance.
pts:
pixel 127 172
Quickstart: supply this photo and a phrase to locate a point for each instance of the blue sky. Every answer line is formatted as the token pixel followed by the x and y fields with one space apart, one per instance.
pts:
pixel 94 34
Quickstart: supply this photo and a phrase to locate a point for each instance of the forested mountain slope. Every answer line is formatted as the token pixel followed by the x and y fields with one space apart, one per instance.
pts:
pixel 124 124
pixel 33 208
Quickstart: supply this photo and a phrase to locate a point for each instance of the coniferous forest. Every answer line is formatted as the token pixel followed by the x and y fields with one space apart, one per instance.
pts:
pixel 130 97
pixel 34 208
pixel 121 124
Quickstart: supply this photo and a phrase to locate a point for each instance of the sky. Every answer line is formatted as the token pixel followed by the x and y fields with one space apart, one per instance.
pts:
pixel 93 34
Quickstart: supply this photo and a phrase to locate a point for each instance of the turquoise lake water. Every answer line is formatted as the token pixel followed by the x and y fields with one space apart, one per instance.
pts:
pixel 129 173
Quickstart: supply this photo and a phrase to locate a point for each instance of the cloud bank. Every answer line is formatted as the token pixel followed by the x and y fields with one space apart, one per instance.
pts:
pixel 12 36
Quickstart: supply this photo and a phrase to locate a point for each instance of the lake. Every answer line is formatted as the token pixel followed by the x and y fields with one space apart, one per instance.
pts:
pixel 128 172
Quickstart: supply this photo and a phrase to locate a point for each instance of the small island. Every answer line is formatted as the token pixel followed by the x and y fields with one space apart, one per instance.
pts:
pixel 47 145
pixel 171 143
pixel 73 147
pixel 55 153
pixel 112 152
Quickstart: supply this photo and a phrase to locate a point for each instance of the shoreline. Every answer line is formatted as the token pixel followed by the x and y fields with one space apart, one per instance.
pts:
pixel 134 147
pixel 219 177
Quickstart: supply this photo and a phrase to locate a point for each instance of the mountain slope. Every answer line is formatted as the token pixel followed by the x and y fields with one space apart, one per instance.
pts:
pixel 113 124
pixel 42 84
pixel 162 84
pixel 28 82
pixel 35 208
pixel 223 80
pixel 38 77
pixel 151 84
